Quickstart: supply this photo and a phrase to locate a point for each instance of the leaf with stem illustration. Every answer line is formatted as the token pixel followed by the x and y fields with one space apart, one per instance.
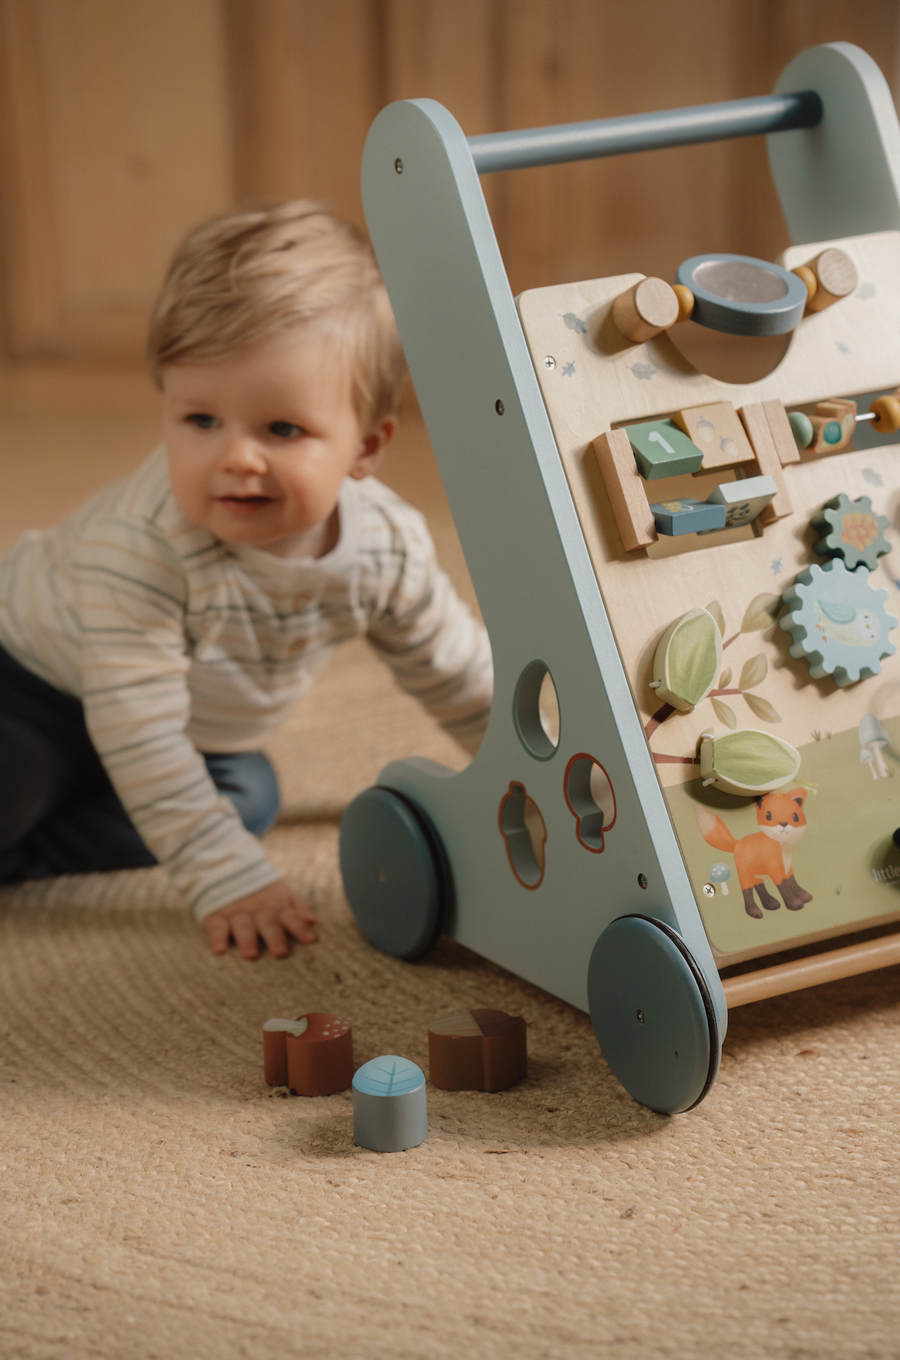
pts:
pixel 715 609
pixel 724 713
pixel 762 708
pixel 761 613
pixel 754 672
pixel 725 679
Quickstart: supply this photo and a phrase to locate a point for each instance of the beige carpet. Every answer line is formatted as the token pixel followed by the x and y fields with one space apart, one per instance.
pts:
pixel 158 1201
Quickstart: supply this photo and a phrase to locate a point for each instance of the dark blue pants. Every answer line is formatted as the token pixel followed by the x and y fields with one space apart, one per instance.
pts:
pixel 59 813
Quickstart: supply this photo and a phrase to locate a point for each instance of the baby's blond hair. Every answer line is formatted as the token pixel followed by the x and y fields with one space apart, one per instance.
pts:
pixel 246 276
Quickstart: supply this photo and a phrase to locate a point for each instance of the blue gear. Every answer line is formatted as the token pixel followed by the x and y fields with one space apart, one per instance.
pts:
pixel 838 622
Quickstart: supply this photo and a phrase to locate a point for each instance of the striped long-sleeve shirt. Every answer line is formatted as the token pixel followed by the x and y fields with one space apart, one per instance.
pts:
pixel 177 643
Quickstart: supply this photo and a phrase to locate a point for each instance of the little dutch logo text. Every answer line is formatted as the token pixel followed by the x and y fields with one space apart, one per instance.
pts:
pixel 886 875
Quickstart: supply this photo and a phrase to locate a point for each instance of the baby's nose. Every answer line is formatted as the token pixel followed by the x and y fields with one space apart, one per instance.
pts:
pixel 243 455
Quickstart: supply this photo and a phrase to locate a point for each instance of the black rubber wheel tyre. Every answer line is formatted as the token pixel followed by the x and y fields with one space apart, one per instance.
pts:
pixel 395 873
pixel 653 1015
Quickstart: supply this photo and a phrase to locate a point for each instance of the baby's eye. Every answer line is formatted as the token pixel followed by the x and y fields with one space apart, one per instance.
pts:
pixel 283 429
pixel 201 420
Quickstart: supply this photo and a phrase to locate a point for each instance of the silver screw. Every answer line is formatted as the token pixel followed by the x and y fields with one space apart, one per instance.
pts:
pixel 639 1016
pixel 642 880
pixel 708 890
pixel 549 361
pixel 398 166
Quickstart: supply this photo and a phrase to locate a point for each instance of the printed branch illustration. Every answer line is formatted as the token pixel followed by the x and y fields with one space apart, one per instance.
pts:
pixel 688 658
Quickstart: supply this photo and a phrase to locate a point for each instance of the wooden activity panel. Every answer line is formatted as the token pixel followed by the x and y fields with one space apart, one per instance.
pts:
pixel 688 583
pixel 778 626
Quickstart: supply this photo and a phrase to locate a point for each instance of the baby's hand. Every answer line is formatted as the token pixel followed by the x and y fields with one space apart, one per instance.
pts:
pixel 273 912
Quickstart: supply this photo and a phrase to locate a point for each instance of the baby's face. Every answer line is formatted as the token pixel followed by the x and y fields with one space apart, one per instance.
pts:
pixel 260 442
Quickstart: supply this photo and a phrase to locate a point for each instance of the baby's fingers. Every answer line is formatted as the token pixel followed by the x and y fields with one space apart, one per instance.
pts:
pixel 300 922
pixel 218 928
pixel 272 931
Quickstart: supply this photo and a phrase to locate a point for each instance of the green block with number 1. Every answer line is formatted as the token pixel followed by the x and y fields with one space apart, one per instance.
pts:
pixel 662 450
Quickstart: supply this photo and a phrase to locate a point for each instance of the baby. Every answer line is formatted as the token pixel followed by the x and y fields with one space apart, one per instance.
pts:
pixel 152 642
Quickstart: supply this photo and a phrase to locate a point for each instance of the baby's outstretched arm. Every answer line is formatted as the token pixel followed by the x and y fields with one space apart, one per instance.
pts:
pixel 273 912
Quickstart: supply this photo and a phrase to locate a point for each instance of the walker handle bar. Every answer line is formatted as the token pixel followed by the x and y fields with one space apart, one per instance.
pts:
pixel 527 147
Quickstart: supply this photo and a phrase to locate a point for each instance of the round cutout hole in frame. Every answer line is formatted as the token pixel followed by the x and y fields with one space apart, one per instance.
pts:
pixel 536 711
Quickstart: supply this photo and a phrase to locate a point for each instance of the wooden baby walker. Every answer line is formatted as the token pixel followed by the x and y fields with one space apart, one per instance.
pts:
pixel 692 759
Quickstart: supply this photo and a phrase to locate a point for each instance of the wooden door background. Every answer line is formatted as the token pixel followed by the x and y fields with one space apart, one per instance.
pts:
pixel 124 122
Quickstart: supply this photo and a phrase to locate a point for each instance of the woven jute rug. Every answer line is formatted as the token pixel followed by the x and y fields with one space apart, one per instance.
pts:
pixel 158 1200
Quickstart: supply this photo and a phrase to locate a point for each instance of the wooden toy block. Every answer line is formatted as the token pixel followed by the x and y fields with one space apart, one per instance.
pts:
pixel 320 1058
pixel 743 500
pixel 662 450
pixel 646 309
pixel 718 434
pixel 756 423
pixel 833 425
pixel 853 531
pixel 781 432
pixel 625 489
pixel 482 1050
pixel 390 1111
pixel 275 1033
pixel 836 278
pixel 687 517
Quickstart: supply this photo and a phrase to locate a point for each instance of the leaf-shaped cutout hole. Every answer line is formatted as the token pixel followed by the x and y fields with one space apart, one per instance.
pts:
pixel 591 799
pixel 524 832
pixel 536 711
pixel 754 672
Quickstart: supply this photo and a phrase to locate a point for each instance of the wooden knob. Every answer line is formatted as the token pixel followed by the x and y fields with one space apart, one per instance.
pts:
pixel 836 278
pixel 685 301
pixel 806 275
pixel 650 306
pixel 887 414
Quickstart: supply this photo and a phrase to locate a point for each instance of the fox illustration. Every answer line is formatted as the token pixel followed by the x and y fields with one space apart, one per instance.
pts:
pixel 768 853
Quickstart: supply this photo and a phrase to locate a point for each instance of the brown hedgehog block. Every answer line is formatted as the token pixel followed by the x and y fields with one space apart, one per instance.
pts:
pixel 320 1059
pixel 482 1050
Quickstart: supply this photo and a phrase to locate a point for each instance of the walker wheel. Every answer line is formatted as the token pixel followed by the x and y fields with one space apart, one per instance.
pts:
pixel 396 877
pixel 653 1015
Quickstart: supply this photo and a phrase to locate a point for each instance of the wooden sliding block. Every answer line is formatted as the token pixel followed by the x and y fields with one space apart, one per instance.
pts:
pixel 718 434
pixel 687 516
pixel 833 425
pixel 625 489
pixel 757 426
pixel 743 500
pixel 781 432
pixel 662 450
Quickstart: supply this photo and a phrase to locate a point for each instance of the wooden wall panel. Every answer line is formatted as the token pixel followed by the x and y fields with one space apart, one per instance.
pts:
pixel 123 122
pixel 117 139
pixel 308 80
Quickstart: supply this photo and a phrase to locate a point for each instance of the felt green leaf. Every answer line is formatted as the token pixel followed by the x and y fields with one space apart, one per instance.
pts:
pixel 761 612
pixel 762 708
pixel 715 609
pixel 723 713
pixel 753 759
pixel 692 657
pixel 754 672
pixel 725 678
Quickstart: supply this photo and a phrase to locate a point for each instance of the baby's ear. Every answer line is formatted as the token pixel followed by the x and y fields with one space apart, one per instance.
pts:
pixel 373 447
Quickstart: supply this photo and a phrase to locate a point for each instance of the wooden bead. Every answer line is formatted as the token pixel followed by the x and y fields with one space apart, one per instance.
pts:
pixel 685 301
pixel 836 278
pixel 887 414
pixel 646 309
pixel 804 272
